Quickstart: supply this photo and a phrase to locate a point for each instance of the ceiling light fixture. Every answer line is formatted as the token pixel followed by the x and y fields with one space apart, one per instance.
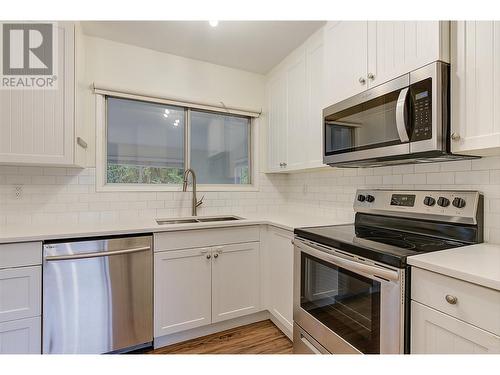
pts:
pixel 213 23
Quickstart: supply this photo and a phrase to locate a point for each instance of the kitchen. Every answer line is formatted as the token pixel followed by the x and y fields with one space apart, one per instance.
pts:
pixel 251 187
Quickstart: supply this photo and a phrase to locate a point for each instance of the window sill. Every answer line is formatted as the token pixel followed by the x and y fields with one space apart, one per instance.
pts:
pixel 152 188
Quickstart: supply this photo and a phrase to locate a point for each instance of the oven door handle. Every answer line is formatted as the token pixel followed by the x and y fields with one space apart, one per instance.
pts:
pixel 351 265
pixel 400 116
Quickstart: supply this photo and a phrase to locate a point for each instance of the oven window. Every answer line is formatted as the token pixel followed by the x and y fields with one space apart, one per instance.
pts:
pixel 345 302
pixel 367 125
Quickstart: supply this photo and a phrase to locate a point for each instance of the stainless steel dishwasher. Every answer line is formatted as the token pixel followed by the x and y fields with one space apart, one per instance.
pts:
pixel 97 295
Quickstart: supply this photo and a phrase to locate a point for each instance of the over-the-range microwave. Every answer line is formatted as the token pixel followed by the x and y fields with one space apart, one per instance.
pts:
pixel 406 120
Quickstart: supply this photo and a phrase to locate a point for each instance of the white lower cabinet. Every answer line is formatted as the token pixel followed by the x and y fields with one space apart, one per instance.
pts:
pixel 182 290
pixel 280 276
pixel 21 336
pixel 451 316
pixel 199 286
pixel 235 281
pixel 433 332
pixel 20 293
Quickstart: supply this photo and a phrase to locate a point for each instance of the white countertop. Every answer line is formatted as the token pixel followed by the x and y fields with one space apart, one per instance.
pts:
pixel 478 264
pixel 25 233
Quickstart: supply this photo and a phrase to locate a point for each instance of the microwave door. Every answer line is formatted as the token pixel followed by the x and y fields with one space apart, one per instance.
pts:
pixel 365 126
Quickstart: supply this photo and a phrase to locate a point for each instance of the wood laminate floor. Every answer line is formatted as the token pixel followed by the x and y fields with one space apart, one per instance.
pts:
pixel 256 338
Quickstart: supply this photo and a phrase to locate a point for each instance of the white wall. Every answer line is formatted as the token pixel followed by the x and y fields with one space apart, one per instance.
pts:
pixel 131 68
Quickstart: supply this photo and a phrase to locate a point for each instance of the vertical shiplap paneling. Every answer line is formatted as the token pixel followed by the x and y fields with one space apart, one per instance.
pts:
pixel 5 124
pixel 484 77
pixel 496 77
pixel 37 126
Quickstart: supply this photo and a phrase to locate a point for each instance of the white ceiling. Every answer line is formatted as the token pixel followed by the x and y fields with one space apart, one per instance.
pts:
pixel 255 46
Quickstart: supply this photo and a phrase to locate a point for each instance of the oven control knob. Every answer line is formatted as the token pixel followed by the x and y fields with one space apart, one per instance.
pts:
pixel 443 202
pixel 361 198
pixel 370 198
pixel 459 202
pixel 429 201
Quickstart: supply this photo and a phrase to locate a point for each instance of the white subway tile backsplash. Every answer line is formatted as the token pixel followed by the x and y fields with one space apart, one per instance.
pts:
pixel 60 195
pixel 440 178
pixel 472 178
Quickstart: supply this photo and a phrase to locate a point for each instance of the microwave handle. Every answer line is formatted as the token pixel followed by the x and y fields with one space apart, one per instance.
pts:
pixel 400 115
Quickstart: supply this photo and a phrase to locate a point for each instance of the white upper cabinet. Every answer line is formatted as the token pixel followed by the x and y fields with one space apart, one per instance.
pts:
pixel 295 103
pixel 37 126
pixel 398 47
pixel 296 110
pixel 277 118
pixel 346 50
pixel 360 54
pixel 475 87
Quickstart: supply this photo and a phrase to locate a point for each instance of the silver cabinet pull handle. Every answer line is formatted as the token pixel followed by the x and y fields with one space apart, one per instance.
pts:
pixel 371 76
pixel 209 256
pixel 362 80
pixel 452 300
pixel 455 136
pixel 95 255
pixel 216 255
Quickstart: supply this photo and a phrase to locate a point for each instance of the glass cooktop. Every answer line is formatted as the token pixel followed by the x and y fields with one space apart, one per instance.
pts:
pixel 388 246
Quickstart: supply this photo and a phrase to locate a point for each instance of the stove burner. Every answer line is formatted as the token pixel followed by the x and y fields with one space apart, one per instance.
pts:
pixel 398 242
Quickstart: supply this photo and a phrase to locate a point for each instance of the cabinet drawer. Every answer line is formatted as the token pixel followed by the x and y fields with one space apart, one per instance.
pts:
pixel 475 304
pixel 20 290
pixel 20 254
pixel 205 237
pixel 21 336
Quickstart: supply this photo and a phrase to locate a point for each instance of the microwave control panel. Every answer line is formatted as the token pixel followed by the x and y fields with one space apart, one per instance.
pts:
pixel 422 110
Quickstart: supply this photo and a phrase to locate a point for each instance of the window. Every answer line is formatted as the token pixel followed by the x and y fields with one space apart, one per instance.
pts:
pixel 219 148
pixel 150 143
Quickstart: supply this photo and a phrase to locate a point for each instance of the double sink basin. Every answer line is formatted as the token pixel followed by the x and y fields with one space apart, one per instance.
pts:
pixel 201 219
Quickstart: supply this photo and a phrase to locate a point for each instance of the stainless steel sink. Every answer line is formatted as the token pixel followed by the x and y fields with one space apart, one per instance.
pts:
pixel 202 219
pixel 175 221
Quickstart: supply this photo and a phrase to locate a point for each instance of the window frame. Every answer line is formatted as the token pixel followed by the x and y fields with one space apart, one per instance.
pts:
pixel 101 149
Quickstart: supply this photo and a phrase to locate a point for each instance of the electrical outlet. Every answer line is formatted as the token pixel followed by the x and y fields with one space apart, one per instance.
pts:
pixel 18 192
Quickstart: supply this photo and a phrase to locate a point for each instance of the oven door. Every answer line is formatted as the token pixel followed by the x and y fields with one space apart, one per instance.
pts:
pixel 373 124
pixel 345 304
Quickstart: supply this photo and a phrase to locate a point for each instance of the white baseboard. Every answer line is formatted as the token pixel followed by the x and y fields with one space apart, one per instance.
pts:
pixel 283 324
pixel 175 338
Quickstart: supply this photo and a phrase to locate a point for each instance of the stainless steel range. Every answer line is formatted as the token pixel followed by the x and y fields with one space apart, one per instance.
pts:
pixel 351 282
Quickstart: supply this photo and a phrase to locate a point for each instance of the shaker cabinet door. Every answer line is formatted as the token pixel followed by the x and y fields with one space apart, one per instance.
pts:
pixel 433 332
pixel 182 290
pixel 235 281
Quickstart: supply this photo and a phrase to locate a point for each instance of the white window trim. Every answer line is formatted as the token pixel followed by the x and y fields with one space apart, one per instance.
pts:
pixel 101 161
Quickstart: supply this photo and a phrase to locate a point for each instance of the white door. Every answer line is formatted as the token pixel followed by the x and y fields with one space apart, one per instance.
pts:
pixel 21 336
pixel 20 293
pixel 37 126
pixel 315 101
pixel 398 47
pixel 345 60
pixel 280 253
pixel 182 290
pixel 235 281
pixel 433 332
pixel 297 128
pixel 277 122
pixel 475 87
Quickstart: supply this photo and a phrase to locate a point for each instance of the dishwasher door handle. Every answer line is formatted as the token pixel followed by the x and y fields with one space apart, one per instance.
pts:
pixel 51 258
